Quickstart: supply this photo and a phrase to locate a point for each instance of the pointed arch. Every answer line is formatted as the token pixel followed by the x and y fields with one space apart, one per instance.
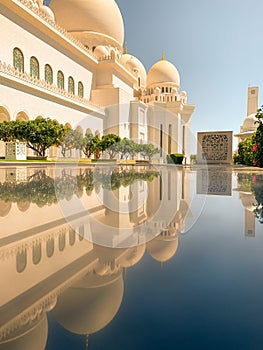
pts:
pixel 61 241
pixel 18 59
pixel 21 260
pixel 36 253
pixel 48 74
pixel 22 116
pixel 60 80
pixel 80 89
pixel 79 129
pixel 50 247
pixel 71 85
pixel 34 67
pixel 72 237
pixel 4 114
pixel 88 131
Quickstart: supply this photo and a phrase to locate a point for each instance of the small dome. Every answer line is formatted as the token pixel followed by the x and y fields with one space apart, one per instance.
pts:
pixel 162 248
pixel 94 22
pixel 134 65
pixel 249 123
pixel 163 72
pixel 101 51
pixel 183 96
pixel 101 269
pixel 90 304
pixel 47 12
pixel 174 90
pixel 133 256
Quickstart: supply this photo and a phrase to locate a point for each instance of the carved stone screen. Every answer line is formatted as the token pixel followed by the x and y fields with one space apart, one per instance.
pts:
pixel 15 151
pixel 214 181
pixel 214 147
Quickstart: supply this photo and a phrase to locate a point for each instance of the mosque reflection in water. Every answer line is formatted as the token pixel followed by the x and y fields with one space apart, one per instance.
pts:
pixel 54 262
pixel 52 221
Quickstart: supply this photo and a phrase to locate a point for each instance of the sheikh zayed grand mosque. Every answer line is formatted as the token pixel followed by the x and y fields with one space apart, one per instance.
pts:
pixel 66 61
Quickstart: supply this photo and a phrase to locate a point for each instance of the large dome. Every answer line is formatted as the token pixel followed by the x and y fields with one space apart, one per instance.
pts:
pixel 90 304
pixel 134 65
pixel 161 73
pixel 94 22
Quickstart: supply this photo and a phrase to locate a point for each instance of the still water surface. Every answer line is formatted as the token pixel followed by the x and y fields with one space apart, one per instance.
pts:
pixel 130 258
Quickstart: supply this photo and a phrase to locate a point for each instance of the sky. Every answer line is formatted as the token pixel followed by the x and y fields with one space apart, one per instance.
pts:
pixel 216 45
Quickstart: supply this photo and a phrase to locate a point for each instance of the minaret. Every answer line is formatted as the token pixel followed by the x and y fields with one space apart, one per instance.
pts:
pixel 249 223
pixel 87 342
pixel 252 100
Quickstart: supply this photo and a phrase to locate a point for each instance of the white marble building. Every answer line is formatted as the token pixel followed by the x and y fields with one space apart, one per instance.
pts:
pixel 66 62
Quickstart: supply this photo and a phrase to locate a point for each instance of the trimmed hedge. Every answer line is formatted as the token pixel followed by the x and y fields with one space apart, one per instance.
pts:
pixel 175 158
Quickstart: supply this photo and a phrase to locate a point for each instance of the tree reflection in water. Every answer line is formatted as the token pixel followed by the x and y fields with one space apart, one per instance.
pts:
pixel 42 189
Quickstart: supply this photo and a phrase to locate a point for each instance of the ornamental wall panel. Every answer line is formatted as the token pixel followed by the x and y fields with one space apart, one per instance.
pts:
pixel 214 147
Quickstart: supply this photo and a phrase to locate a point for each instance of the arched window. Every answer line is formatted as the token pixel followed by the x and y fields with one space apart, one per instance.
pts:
pixel 34 67
pixel 50 247
pixel 21 260
pixel 48 74
pixel 61 241
pixel 60 80
pixel 80 89
pixel 72 237
pixel 81 232
pixel 18 59
pixel 139 81
pixel 71 85
pixel 37 253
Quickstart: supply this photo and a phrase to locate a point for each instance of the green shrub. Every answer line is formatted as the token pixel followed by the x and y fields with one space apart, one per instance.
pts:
pixel 245 154
pixel 175 158
pixel 258 140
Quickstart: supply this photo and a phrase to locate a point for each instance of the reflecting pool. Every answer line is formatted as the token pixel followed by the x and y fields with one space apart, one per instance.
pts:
pixel 130 257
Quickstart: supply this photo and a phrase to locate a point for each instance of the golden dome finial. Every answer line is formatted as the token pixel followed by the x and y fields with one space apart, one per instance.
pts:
pixel 163 56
